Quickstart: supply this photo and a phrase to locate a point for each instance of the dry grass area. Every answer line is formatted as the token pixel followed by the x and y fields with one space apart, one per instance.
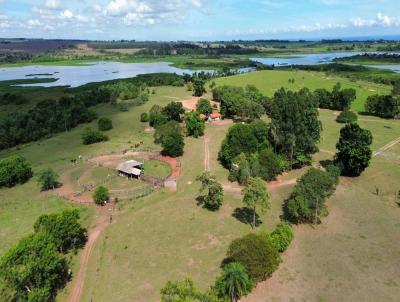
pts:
pixel 190 104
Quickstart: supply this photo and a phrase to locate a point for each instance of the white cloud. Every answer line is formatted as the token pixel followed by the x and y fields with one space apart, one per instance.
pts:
pixel 52 4
pixel 67 14
pixel 380 20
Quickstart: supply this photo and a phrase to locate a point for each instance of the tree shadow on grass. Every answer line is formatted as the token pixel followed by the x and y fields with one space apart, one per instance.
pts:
pixel 245 215
pixel 326 162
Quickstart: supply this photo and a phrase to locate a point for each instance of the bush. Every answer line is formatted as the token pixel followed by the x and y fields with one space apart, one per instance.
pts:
pixel 282 236
pixel 48 179
pixel 144 117
pixel 105 124
pixel 256 253
pixel 101 195
pixel 346 116
pixel 14 170
pixel 90 136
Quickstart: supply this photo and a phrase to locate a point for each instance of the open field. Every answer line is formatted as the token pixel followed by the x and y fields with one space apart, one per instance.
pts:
pixel 165 236
pixel 269 81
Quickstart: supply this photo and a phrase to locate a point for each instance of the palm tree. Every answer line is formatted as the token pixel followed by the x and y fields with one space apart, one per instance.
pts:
pixel 234 282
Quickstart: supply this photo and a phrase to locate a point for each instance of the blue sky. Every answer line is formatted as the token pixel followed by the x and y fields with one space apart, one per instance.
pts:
pixel 198 19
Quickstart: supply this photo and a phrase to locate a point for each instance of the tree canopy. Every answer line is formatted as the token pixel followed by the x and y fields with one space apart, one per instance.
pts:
pixel 234 282
pixel 295 128
pixel 354 149
pixel 48 179
pixel 255 195
pixel 385 106
pixel 214 196
pixel 14 170
pixel 33 268
pixel 256 253
pixel 64 228
pixel 194 124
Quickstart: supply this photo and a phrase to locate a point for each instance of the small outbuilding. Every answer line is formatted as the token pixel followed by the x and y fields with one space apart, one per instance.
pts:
pixel 216 116
pixel 130 169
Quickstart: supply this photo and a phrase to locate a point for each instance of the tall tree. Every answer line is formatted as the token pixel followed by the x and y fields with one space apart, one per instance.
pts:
pixel 256 196
pixel 354 149
pixel 173 111
pixel 215 193
pixel 234 282
pixel 295 128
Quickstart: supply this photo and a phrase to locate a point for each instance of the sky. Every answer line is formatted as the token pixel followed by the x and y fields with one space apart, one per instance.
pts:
pixel 171 20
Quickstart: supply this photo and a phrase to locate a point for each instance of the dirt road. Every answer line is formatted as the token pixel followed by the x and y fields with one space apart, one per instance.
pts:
pixel 102 222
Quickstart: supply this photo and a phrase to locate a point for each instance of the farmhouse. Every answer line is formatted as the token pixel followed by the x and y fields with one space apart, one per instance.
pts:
pixel 216 116
pixel 130 169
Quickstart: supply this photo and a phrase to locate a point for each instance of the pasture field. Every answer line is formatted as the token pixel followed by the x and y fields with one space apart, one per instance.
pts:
pixel 352 255
pixel 269 81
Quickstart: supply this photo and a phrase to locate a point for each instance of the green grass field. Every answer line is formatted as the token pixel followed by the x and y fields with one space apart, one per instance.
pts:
pixel 156 168
pixel 353 255
pixel 269 81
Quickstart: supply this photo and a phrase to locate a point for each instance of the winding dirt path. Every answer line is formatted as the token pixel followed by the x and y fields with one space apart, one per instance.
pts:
pixel 386 147
pixel 102 222
pixel 272 185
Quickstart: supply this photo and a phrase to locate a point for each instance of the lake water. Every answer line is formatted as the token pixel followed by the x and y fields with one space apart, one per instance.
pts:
pixel 103 71
pixel 79 75
pixel 314 59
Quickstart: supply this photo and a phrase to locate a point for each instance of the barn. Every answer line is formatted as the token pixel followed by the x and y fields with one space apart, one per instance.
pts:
pixel 130 169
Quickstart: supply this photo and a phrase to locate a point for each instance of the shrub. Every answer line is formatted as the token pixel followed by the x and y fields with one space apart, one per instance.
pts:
pixel 105 124
pixel 90 136
pixel 14 170
pixel 346 116
pixel 144 117
pixel 256 253
pixel 184 291
pixel 282 236
pixel 101 195
pixel 48 179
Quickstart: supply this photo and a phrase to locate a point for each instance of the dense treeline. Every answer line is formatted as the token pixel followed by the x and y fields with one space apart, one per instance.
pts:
pixel 385 106
pixel 338 99
pixel 48 117
pixel 381 57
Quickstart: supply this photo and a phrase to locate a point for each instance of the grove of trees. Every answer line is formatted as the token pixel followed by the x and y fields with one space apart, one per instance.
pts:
pixel 385 106
pixel 35 268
